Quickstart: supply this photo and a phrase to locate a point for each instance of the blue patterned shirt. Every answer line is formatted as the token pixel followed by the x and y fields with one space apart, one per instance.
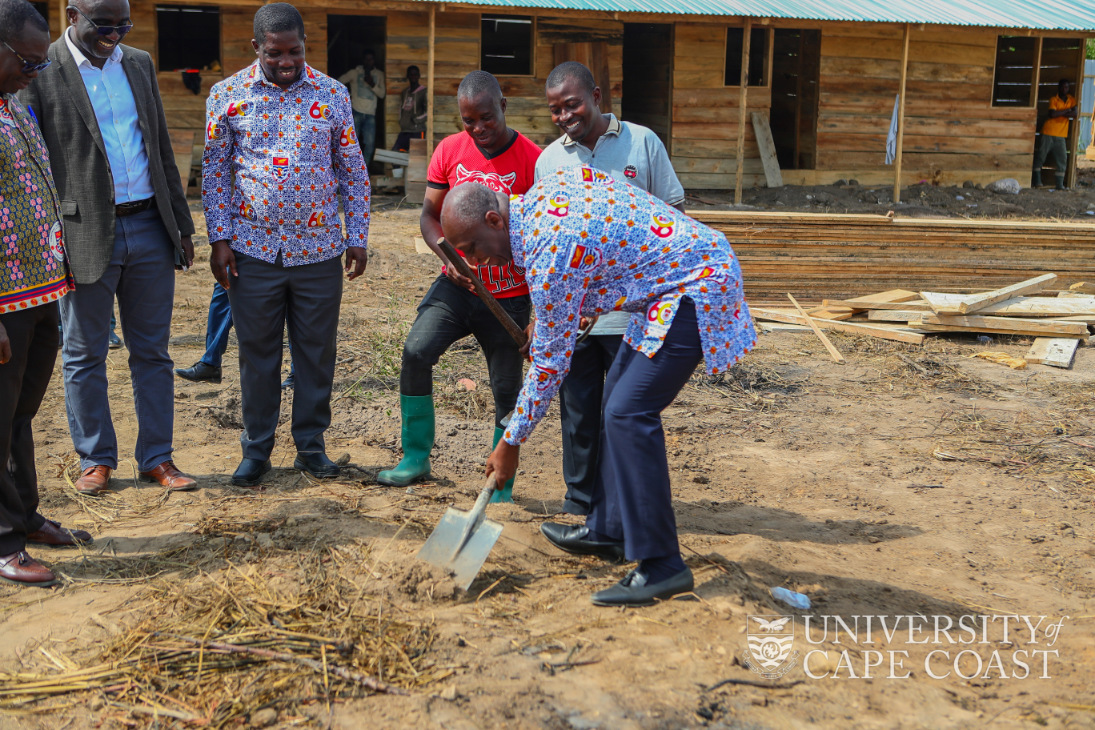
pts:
pixel 589 245
pixel 276 162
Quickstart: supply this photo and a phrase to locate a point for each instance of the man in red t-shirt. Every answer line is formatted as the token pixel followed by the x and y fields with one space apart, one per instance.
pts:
pixel 490 153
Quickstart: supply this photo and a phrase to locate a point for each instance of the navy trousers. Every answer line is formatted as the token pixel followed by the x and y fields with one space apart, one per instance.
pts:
pixel 217 327
pixel 141 275
pixel 631 496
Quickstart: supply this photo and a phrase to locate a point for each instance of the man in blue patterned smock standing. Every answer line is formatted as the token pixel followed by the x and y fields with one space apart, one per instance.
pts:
pixel 590 245
pixel 33 276
pixel 280 152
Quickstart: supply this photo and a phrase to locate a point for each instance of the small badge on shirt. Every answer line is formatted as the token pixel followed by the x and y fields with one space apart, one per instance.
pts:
pixel 659 317
pixel 280 167
pixel 246 211
pixel 57 241
pixel 236 109
pixel 631 171
pixel 5 114
pixel 317 219
pixel 661 226
pixel 559 206
pixel 584 257
pixel 319 111
pixel 347 138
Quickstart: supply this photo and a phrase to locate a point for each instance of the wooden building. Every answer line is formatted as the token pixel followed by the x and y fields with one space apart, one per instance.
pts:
pixel 974 97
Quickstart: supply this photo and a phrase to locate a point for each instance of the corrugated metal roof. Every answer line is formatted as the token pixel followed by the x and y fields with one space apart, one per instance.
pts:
pixel 1076 15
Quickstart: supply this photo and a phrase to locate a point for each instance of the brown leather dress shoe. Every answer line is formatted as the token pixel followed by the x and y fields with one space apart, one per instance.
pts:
pixel 23 570
pixel 168 475
pixel 95 480
pixel 52 534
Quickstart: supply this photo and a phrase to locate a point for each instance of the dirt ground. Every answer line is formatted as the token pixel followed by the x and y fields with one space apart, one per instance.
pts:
pixel 911 485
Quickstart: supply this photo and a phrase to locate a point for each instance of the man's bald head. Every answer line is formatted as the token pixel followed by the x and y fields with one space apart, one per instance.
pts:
pixel 475 220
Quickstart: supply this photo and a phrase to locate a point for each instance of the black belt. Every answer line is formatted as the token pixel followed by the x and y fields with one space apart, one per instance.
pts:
pixel 135 207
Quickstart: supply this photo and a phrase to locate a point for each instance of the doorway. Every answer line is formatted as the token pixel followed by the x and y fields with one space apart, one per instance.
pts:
pixel 348 37
pixel 647 87
pixel 796 67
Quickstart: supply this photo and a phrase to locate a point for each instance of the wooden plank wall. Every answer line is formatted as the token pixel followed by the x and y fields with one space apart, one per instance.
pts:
pixel 952 131
pixel 705 120
pixel 457 53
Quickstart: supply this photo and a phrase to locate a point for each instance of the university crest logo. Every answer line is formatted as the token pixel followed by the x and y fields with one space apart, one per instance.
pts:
pixel 771 645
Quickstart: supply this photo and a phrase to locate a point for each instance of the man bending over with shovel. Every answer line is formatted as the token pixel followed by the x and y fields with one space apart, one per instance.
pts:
pixel 591 245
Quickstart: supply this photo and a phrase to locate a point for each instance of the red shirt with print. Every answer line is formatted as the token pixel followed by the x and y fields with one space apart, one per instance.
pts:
pixel 512 170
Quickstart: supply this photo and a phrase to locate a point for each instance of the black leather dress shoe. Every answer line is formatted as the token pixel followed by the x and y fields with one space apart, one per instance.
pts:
pixel 249 472
pixel 200 372
pixel 574 539
pixel 317 464
pixel 634 591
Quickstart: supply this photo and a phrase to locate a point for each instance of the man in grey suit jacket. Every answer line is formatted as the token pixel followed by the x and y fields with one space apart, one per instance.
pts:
pixel 127 228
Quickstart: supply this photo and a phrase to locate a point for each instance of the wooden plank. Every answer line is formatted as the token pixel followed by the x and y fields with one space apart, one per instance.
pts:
pixel 767 147
pixel 1055 351
pixel 833 352
pixel 975 302
pixel 1029 306
pixel 747 36
pixel 901 116
pixel 1008 324
pixel 430 61
pixel 989 331
pixel 898 335
pixel 895 315
pixel 1082 287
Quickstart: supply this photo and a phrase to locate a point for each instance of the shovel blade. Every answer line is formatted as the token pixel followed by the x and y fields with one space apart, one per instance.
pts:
pixel 439 549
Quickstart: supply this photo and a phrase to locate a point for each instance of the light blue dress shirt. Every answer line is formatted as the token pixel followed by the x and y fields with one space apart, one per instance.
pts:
pixel 116 111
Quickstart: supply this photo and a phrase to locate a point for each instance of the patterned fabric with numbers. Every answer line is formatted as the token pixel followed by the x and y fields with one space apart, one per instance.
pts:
pixel 275 164
pixel 590 244
pixel 33 267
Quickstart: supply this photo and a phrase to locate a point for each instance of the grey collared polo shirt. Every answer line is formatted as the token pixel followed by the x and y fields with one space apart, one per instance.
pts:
pixel 628 152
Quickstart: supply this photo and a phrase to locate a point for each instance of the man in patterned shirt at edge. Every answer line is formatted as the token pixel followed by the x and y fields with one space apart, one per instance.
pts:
pixel 627 152
pixel 280 150
pixel 504 160
pixel 33 276
pixel 589 245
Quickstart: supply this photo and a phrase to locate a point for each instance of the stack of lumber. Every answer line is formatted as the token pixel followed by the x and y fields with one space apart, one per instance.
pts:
pixel 1059 323
pixel 834 256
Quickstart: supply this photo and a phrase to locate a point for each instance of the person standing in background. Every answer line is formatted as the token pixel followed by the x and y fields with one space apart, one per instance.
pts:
pixel 412 111
pixel 1054 140
pixel 366 84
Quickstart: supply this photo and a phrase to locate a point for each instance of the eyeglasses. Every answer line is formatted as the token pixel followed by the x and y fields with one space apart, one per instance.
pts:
pixel 104 29
pixel 29 67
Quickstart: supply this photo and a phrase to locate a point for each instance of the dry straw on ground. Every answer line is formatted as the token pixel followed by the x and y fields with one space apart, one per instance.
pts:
pixel 214 650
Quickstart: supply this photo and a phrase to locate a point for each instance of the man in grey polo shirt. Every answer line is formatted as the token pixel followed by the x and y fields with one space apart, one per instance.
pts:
pixel 628 152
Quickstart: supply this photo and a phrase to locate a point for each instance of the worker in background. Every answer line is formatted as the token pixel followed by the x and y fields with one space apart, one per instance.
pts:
pixel 1053 141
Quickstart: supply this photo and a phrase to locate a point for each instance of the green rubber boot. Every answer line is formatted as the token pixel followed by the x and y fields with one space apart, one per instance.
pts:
pixel 505 494
pixel 416 412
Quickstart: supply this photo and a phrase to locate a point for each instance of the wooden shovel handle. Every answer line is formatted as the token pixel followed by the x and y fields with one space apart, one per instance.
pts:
pixel 461 266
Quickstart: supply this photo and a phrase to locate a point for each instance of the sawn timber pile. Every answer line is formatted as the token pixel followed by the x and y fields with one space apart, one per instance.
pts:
pixel 836 256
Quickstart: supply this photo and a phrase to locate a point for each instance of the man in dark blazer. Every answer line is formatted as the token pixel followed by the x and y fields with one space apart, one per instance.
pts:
pixel 127 228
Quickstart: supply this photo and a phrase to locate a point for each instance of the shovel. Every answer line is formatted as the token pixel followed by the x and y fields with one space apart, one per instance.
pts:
pixel 462 540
